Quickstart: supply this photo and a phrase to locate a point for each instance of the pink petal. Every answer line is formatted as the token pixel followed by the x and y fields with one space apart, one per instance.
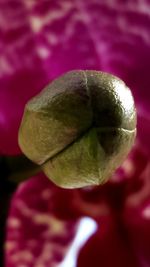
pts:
pixel 36 236
pixel 144 131
pixel 107 247
pixel 138 226
pixel 39 41
pixel 136 217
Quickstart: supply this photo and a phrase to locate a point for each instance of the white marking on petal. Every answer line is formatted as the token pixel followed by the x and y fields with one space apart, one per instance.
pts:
pixel 87 227
pixel 14 222
pixel 5 67
pixel 146 212
pixel 46 194
pixel 24 209
pixel 10 245
pixel 30 4
pixel 37 23
pixel 23 255
pixel 52 39
pixel 54 226
pixel 43 52
pixel 45 255
pixel 128 167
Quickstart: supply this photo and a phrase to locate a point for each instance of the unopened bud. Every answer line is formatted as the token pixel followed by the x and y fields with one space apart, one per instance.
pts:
pixel 80 128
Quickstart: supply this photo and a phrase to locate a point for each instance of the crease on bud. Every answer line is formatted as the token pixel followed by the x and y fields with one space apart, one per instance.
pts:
pixel 79 128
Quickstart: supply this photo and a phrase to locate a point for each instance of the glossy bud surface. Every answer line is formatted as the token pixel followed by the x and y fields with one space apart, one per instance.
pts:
pixel 80 128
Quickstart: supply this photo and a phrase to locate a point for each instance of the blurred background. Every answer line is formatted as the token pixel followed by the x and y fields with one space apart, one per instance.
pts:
pixel 40 40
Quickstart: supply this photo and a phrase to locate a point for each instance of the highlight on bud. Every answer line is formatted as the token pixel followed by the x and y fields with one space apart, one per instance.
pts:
pixel 80 128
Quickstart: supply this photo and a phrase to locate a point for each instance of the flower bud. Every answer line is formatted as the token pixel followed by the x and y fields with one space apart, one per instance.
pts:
pixel 79 128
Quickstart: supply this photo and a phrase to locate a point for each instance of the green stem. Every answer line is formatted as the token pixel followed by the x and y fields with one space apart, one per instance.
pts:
pixel 19 168
pixel 13 170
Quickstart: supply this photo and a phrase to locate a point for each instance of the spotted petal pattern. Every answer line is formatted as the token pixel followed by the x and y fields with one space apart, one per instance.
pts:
pixel 36 236
pixel 39 41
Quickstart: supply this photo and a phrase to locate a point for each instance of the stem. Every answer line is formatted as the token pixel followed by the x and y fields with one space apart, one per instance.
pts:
pixel 5 200
pixel 13 170
pixel 19 168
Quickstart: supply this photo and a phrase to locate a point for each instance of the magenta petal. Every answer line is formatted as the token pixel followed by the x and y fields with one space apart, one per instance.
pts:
pixel 106 248
pixel 39 41
pixel 144 131
pixel 35 235
pixel 137 219
pixel 138 225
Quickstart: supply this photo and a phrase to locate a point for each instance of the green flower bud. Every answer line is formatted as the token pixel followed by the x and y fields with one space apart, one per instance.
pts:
pixel 80 128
